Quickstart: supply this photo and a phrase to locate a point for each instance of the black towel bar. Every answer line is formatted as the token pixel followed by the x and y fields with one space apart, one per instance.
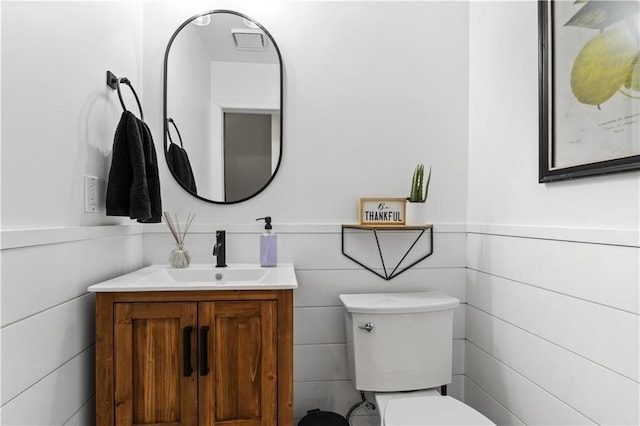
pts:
pixel 114 83
pixel 170 120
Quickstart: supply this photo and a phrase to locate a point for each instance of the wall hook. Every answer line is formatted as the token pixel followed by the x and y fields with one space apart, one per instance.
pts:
pixel 114 83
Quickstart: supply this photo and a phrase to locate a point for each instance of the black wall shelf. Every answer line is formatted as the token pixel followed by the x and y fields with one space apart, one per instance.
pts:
pixel 375 229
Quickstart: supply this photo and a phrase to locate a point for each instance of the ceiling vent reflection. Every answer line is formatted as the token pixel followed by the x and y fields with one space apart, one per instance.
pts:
pixel 249 40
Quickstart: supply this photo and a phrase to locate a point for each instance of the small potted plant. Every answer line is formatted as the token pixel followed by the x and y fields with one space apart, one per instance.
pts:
pixel 415 212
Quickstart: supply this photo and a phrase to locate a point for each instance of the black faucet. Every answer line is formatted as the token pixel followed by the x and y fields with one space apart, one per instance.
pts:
pixel 220 249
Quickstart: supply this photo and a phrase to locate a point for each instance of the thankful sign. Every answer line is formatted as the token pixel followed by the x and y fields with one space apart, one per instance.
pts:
pixel 382 211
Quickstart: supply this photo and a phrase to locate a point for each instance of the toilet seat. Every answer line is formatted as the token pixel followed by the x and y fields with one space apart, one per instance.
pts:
pixel 431 410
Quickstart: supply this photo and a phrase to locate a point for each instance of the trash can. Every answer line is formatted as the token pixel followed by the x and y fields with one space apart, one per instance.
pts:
pixel 316 417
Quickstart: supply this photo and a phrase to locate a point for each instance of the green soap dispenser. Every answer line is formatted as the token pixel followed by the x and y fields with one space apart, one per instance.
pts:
pixel 268 244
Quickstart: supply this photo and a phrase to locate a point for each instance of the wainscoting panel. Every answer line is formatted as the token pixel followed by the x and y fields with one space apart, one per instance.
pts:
pixel 315 250
pixel 529 402
pixel 48 318
pixel 476 397
pixel 538 319
pixel 57 397
pixel 606 274
pixel 85 416
pixel 322 287
pixel 320 362
pixel 34 347
pixel 35 278
pixel 548 365
pixel 594 331
pixel 316 325
pixel 552 326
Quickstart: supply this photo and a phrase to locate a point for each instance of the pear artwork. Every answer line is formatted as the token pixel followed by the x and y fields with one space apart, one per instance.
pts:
pixel 609 63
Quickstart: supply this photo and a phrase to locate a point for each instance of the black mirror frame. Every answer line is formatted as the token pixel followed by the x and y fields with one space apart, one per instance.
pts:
pixel 164 104
pixel 546 123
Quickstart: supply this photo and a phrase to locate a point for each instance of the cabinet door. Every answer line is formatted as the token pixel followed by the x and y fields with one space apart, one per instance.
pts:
pixel 154 351
pixel 241 386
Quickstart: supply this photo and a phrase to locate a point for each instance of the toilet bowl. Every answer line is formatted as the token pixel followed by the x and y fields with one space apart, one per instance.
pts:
pixel 422 408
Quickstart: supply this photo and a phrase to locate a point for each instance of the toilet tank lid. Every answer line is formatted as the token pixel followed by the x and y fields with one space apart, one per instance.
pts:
pixel 398 303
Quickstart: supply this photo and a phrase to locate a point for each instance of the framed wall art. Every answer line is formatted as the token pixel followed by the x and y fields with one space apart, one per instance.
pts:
pixel 589 93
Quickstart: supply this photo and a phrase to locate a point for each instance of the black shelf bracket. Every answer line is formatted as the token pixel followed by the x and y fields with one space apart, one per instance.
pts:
pixel 388 275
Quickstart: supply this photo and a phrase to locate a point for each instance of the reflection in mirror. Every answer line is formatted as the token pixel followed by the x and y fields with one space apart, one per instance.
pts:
pixel 223 107
pixel 178 159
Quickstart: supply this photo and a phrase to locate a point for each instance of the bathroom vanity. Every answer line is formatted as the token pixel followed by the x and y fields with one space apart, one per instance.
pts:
pixel 195 346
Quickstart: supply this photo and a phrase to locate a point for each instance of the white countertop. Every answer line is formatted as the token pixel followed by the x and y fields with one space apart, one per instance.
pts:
pixel 202 277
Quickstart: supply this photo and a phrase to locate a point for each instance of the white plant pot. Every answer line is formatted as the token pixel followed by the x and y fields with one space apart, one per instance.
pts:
pixel 415 214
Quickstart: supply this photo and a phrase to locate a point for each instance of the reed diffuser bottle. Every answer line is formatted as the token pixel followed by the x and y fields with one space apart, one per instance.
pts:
pixel 179 256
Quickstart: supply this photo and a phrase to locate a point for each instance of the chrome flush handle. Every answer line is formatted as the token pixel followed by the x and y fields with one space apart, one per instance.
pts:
pixel 369 327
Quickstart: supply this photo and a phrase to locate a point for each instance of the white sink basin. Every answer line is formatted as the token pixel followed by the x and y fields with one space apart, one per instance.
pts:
pixel 219 275
pixel 203 277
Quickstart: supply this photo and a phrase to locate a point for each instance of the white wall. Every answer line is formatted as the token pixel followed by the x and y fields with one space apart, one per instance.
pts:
pixel 188 84
pixel 359 112
pixel 553 269
pixel 59 116
pixel 370 90
pixel 58 122
pixel 503 135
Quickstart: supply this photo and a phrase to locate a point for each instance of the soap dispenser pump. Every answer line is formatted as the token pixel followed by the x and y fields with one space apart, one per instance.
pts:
pixel 268 244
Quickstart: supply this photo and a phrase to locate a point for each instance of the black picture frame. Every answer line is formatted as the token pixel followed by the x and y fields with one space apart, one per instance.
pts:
pixel 548 171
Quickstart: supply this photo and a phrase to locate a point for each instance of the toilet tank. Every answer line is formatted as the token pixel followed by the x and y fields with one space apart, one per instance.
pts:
pixel 399 341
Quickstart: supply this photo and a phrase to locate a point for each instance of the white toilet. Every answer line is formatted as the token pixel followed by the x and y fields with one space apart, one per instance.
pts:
pixel 400 347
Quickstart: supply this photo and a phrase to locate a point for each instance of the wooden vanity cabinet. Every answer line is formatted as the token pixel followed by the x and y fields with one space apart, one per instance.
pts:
pixel 194 358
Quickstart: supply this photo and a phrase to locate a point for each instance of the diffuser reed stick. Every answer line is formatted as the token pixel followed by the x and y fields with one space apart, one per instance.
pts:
pixel 179 257
pixel 174 227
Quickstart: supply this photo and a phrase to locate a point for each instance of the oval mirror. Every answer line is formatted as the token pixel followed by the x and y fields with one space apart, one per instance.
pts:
pixel 222 107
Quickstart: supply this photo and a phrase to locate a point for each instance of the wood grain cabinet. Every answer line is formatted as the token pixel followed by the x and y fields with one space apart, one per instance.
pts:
pixel 194 358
